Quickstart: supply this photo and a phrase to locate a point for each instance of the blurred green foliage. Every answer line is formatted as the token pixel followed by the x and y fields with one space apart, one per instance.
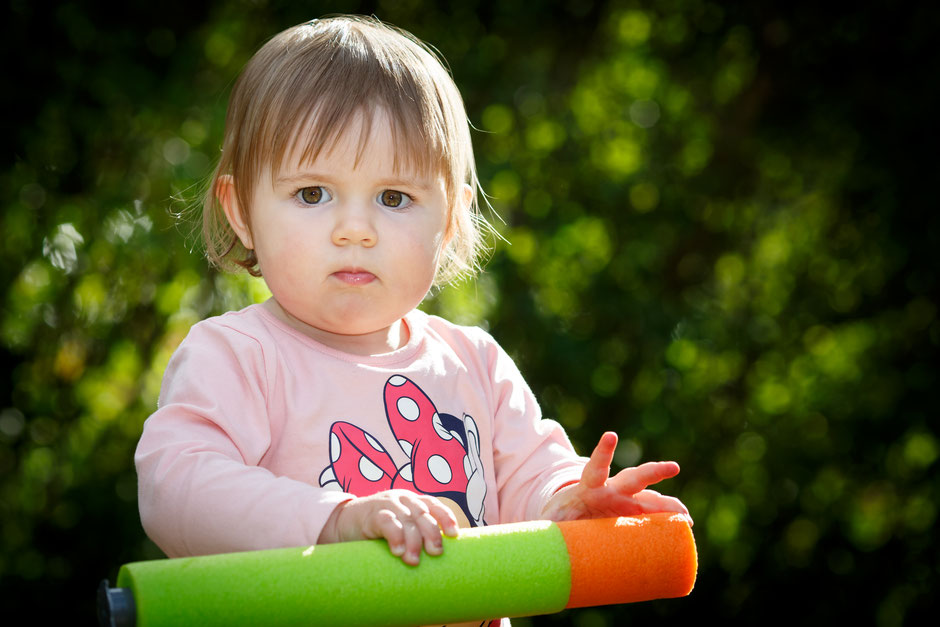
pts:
pixel 722 245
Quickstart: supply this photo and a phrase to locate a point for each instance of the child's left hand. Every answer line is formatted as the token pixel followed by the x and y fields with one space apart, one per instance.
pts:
pixel 598 495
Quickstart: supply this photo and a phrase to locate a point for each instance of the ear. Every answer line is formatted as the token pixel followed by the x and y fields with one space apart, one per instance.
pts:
pixel 225 192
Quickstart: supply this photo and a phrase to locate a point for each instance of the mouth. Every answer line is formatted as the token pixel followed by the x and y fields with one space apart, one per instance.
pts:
pixel 354 276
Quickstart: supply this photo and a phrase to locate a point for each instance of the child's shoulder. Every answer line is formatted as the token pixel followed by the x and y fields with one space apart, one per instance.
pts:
pixel 248 325
pixel 246 319
pixel 452 333
pixel 471 345
pixel 223 343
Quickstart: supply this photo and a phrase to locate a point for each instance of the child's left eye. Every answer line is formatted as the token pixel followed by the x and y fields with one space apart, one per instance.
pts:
pixel 394 199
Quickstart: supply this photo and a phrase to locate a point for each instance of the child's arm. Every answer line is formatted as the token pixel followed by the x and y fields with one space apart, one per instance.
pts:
pixel 202 488
pixel 201 492
pixel 407 520
pixel 598 495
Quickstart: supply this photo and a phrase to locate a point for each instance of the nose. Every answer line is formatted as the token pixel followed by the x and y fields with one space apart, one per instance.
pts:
pixel 354 226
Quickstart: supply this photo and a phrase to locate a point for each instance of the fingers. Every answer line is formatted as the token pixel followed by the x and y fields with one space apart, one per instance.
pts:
pixel 651 502
pixel 626 493
pixel 408 522
pixel 597 469
pixel 443 517
pixel 645 502
pixel 632 480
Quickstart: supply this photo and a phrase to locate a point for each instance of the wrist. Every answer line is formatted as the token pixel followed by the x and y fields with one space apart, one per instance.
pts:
pixel 557 506
pixel 330 531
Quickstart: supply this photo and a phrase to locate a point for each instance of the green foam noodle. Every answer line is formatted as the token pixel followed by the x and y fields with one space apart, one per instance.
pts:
pixel 505 570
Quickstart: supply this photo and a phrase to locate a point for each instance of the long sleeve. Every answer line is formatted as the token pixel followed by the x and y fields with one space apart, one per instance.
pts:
pixel 532 455
pixel 201 486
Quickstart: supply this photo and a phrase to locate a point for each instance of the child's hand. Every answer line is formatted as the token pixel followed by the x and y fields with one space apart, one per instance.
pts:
pixel 407 520
pixel 598 495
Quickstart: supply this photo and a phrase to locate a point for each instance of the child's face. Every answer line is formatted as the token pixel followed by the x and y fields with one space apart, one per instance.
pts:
pixel 348 249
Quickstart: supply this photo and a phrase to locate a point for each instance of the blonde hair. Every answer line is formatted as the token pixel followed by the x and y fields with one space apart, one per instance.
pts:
pixel 325 74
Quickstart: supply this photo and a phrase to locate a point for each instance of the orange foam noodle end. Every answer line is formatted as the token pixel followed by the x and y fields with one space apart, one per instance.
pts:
pixel 629 559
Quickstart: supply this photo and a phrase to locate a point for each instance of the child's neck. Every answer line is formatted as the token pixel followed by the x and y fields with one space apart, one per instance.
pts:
pixel 377 343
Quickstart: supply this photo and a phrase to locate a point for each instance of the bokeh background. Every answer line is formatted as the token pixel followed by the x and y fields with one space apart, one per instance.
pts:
pixel 723 244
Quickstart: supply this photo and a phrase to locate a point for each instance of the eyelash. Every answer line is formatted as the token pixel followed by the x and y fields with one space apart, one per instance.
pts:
pixel 406 199
pixel 299 195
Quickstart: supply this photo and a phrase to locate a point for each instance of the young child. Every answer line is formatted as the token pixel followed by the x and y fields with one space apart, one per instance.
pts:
pixel 337 410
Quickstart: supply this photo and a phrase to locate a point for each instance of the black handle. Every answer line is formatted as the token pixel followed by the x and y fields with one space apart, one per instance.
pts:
pixel 116 606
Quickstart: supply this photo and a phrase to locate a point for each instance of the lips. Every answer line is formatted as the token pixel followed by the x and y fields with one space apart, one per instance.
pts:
pixel 354 276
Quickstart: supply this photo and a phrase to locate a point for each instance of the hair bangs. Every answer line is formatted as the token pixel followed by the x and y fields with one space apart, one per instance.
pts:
pixel 324 105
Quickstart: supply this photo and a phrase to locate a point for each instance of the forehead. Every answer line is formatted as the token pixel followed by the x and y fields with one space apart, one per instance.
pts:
pixel 364 140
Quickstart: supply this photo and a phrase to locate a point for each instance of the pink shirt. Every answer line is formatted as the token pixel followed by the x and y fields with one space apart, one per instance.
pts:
pixel 261 432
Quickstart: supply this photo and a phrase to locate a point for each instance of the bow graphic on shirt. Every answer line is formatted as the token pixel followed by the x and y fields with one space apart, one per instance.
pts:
pixel 444 458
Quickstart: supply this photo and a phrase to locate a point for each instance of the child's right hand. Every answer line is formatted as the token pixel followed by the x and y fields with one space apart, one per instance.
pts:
pixel 406 519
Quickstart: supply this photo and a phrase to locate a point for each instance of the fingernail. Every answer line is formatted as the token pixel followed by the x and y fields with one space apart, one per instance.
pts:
pixel 398 549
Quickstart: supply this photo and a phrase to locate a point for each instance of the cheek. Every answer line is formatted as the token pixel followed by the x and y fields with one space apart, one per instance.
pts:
pixel 414 265
pixel 282 256
pixel 425 253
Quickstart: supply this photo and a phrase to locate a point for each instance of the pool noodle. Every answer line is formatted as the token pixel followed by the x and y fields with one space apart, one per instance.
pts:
pixel 629 559
pixel 518 569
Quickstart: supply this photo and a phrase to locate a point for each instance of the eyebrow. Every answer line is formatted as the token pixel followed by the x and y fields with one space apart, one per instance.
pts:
pixel 403 181
pixel 300 177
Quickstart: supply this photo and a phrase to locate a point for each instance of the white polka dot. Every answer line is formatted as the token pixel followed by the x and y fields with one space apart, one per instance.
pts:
pixel 398 380
pixel 373 442
pixel 406 473
pixel 408 409
pixel 467 470
pixel 441 431
pixel 335 448
pixel 440 469
pixel 405 446
pixel 369 470
pixel 327 476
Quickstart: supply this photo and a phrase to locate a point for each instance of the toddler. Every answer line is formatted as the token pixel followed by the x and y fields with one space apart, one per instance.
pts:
pixel 337 410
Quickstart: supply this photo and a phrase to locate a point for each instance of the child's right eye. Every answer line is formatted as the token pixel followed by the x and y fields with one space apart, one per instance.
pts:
pixel 313 195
